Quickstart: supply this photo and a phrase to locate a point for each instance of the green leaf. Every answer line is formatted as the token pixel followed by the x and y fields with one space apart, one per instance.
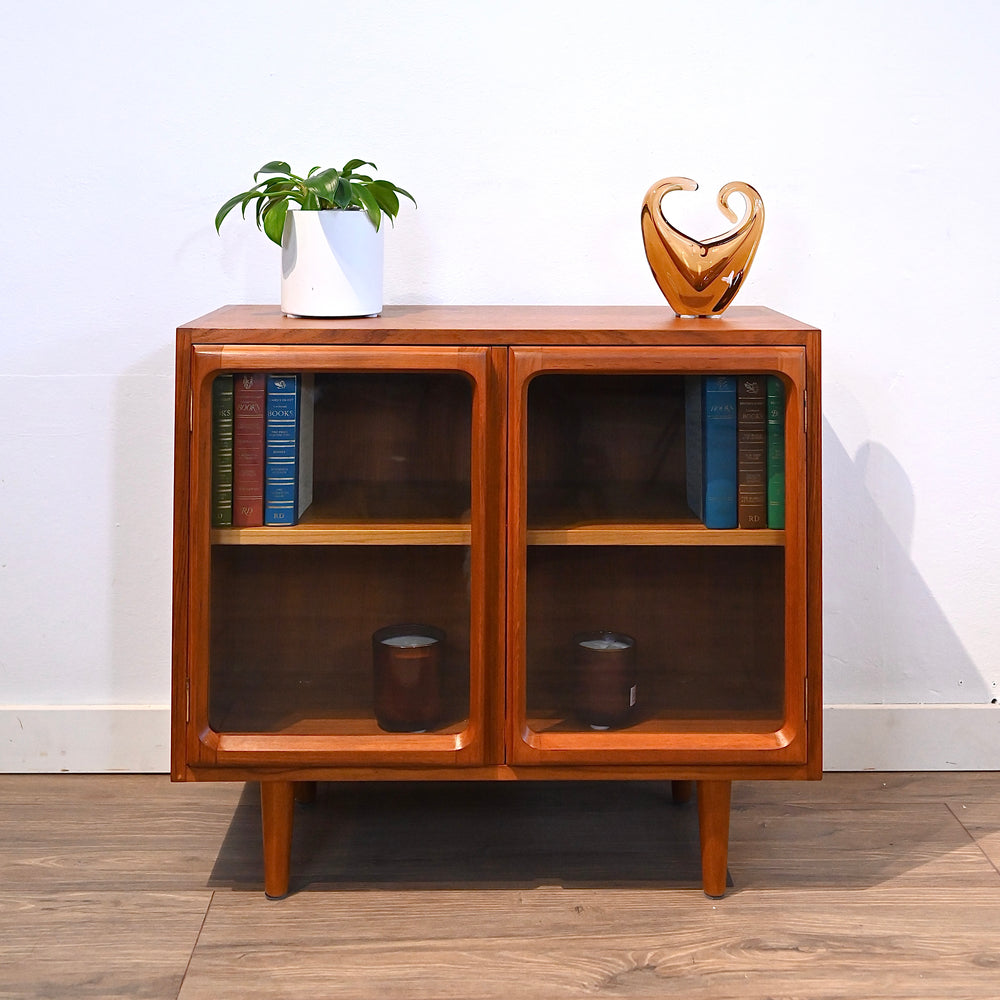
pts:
pixel 277 184
pixel 247 198
pixel 311 202
pixel 274 220
pixel 323 184
pixel 226 209
pixel 383 194
pixel 265 205
pixel 273 167
pixel 352 165
pixel 370 205
pixel 343 194
pixel 405 194
pixel 395 189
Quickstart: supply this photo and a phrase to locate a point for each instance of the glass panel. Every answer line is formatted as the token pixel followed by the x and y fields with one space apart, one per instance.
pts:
pixel 606 447
pixel 292 630
pixel 623 633
pixel 393 446
pixel 707 624
pixel 292 623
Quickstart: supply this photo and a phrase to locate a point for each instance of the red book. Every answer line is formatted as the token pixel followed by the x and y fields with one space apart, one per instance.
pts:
pixel 249 405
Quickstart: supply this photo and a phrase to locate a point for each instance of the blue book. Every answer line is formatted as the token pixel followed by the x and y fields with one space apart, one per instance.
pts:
pixel 711 448
pixel 288 448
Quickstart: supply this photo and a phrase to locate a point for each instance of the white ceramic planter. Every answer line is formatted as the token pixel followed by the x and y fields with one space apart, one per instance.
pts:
pixel 331 264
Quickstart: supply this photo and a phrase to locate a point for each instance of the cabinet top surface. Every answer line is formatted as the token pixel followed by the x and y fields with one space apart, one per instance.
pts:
pixel 412 324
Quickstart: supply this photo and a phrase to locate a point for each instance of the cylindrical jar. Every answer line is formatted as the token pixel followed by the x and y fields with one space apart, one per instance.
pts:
pixel 606 678
pixel 407 676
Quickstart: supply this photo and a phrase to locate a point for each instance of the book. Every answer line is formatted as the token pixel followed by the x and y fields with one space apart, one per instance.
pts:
pixel 710 448
pixel 249 399
pixel 222 451
pixel 751 451
pixel 288 435
pixel 775 452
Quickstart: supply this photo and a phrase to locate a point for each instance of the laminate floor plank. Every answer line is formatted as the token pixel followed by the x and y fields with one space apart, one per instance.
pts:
pixel 479 944
pixel 865 789
pixel 982 821
pixel 811 845
pixel 133 945
pixel 118 832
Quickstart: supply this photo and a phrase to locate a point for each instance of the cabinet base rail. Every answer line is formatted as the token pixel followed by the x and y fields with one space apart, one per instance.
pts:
pixel 278 798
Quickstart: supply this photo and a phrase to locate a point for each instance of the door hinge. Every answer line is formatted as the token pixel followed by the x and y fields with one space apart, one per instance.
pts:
pixel 190 412
pixel 187 701
pixel 805 411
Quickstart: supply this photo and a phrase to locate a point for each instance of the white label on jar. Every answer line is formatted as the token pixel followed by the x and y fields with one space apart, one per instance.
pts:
pixel 631 696
pixel 409 641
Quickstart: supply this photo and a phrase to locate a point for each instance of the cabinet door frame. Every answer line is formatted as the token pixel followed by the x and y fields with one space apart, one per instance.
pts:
pixel 479 741
pixel 788 744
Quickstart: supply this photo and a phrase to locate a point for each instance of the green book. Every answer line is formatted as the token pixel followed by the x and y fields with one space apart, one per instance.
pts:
pixel 775 452
pixel 222 451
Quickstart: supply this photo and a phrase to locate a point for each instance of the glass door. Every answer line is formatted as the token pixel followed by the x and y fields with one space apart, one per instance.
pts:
pixel 347 620
pixel 640 631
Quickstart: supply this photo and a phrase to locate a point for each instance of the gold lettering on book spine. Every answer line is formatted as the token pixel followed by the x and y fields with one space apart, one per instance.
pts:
pixel 701 279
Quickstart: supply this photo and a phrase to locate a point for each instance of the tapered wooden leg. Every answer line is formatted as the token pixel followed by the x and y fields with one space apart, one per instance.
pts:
pixel 680 791
pixel 277 806
pixel 305 792
pixel 713 828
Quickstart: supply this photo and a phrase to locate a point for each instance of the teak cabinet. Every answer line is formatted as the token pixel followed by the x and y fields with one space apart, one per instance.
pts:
pixel 514 477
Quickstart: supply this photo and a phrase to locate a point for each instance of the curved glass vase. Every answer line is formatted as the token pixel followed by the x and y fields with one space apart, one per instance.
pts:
pixel 701 279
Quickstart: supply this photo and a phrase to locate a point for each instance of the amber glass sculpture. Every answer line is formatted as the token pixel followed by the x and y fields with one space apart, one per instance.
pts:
pixel 701 279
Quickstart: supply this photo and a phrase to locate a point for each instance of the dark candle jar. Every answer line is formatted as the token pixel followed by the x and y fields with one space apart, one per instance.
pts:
pixel 407 668
pixel 606 680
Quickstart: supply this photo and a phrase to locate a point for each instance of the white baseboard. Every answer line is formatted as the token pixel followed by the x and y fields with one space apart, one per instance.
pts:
pixel 84 739
pixel 911 738
pixel 81 739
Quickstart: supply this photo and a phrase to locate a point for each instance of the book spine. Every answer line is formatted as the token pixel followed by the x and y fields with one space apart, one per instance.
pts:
pixel 249 400
pixel 694 454
pixel 281 450
pixel 222 451
pixel 719 450
pixel 775 452
pixel 307 394
pixel 751 455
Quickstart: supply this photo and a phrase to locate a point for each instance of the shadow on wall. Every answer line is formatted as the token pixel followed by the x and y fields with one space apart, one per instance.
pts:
pixel 886 639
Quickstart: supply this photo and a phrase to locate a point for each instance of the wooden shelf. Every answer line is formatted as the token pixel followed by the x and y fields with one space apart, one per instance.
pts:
pixel 665 724
pixel 293 723
pixel 331 533
pixel 626 514
pixel 365 514
pixel 650 534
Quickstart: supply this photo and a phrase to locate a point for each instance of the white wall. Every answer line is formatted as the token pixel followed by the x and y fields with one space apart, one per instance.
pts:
pixel 529 133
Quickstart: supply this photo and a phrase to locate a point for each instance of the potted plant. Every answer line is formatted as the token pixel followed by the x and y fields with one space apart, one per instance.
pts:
pixel 328 225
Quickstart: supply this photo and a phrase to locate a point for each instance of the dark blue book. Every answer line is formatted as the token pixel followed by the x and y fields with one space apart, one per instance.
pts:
pixel 287 448
pixel 711 448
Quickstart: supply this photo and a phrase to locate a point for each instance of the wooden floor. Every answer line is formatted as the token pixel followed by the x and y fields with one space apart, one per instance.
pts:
pixel 863 886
